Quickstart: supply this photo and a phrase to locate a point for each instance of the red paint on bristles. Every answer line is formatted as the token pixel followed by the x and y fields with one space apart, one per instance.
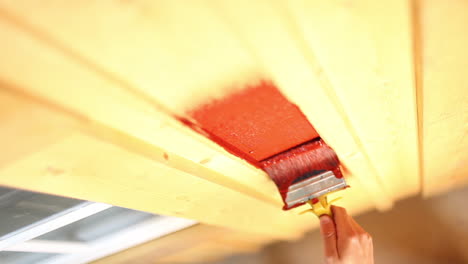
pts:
pixel 313 157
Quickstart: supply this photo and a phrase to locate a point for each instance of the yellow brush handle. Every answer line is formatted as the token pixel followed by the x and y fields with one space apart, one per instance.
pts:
pixel 322 207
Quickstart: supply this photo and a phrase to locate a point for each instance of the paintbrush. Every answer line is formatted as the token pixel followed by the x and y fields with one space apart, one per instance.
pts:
pixel 307 173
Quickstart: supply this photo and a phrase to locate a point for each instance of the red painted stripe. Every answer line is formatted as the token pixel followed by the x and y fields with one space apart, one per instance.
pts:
pixel 261 126
pixel 255 123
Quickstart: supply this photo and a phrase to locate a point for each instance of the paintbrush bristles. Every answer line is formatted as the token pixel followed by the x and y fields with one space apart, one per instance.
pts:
pixel 310 157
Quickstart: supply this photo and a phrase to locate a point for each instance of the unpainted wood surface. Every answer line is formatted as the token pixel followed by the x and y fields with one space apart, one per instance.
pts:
pixel 364 49
pixel 27 127
pixel 444 73
pixel 82 166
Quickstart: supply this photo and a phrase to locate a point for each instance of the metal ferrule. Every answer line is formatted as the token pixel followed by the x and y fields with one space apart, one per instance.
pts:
pixel 313 187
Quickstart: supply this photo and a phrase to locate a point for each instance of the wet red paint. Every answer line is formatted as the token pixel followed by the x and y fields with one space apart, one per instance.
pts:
pixel 257 121
pixel 261 126
pixel 226 145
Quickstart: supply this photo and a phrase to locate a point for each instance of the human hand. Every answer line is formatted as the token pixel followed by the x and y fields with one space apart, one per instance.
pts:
pixel 345 242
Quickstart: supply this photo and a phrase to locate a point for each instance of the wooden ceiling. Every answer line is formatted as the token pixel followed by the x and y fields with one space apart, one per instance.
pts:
pixel 89 90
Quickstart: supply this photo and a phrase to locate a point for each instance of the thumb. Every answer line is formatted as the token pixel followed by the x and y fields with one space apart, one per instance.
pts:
pixel 328 231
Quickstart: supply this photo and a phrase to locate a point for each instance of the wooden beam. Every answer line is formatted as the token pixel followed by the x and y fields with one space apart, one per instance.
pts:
pixel 85 167
pixel 444 104
pixel 164 50
pixel 364 49
pixel 26 126
pixel 115 109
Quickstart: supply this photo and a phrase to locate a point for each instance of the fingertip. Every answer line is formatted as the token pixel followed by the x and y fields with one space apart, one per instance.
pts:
pixel 337 210
pixel 325 219
pixel 327 225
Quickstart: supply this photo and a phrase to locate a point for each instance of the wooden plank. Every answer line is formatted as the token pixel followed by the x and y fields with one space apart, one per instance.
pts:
pixel 177 53
pixel 444 94
pixel 26 126
pixel 120 113
pixel 365 50
pixel 85 167
pixel 265 31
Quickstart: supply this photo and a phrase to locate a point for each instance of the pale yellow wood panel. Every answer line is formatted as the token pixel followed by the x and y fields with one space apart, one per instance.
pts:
pixel 444 41
pixel 180 53
pixel 265 31
pixel 26 126
pixel 85 167
pixel 365 48
pixel 62 78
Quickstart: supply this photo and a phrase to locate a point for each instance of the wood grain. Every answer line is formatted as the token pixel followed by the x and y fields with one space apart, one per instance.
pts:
pixel 26 126
pixel 116 111
pixel 365 50
pixel 81 166
pixel 444 104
